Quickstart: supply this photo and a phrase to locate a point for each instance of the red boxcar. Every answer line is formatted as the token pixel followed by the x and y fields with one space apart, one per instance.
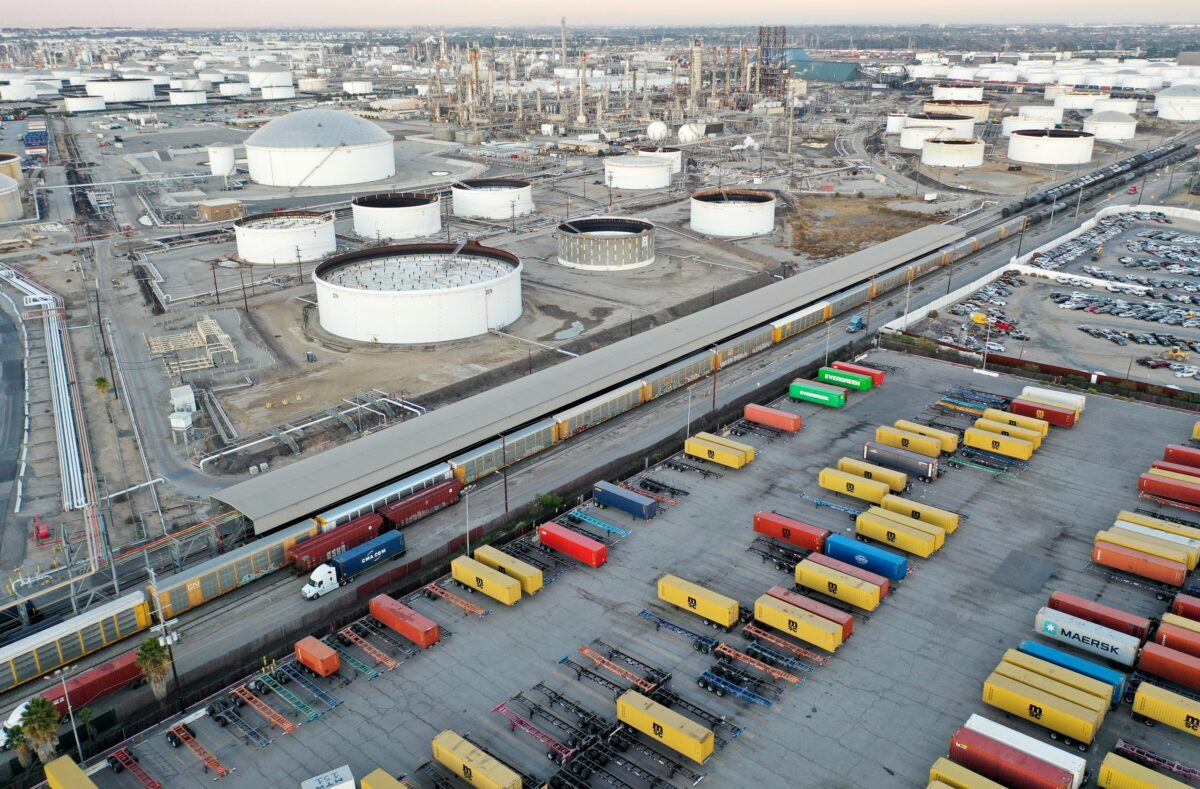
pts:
pixel 1170 664
pixel 573 544
pixel 876 376
pixel 1186 605
pixel 790 530
pixel 772 417
pixel 853 571
pixel 1178 453
pixel 1113 618
pixel 317 550
pixel 420 630
pixel 95 683
pixel 835 615
pixel 1004 764
pixel 1138 563
pixel 1179 638
pixel 1178 468
pixel 1168 488
pixel 411 509
pixel 1063 417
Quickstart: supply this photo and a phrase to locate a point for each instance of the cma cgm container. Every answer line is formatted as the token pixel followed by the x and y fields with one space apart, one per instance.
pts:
pixel 478 576
pixel 875 527
pixel 1038 749
pixel 922 467
pixel 475 766
pixel 798 623
pixel 839 617
pixel 876 376
pixel 1186 605
pixel 411 509
pixel 420 630
pixel 994 442
pixel 837 585
pixel 772 417
pixel 896 480
pixel 609 495
pixel 1111 677
pixel 949 773
pixel 989 426
pixel 1173 489
pixel 573 544
pixel 528 576
pixel 902 439
pixel 1186 456
pixel 948 440
pixel 1170 664
pixel 857 487
pixel 945 519
pixel 790 530
pixel 317 550
pixel 721 455
pixel 1060 417
pixel 1117 772
pixel 1041 708
pixel 95 683
pixel 1000 762
pixel 1016 420
pixel 680 734
pixel 890 565
pixel 1115 618
pixel 816 392
pixel 854 571
pixel 714 608
pixel 859 383
pixel 1087 636
pixel 1168 708
pixel 1138 563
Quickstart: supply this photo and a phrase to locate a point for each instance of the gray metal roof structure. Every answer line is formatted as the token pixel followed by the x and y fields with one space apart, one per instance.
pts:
pixel 314 484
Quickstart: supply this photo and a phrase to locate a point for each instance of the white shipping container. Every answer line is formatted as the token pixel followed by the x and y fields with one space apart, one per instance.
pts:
pixel 1087 636
pixel 1038 749
pixel 1157 534
pixel 341 778
pixel 1055 396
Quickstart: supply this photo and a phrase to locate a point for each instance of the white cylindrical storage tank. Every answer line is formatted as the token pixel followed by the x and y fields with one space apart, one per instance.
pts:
pixel 606 243
pixel 1127 106
pixel 1051 146
pixel 672 155
pixel 922 71
pixel 10 165
pixel 1178 103
pixel 1141 81
pixel 1047 112
pixel 277 92
pixel 1078 101
pixel 212 76
pixel 84 104
pixel 397 215
pixel 285 237
pixel 10 200
pixel 187 97
pixel 975 110
pixel 269 77
pixel 194 84
pixel 234 88
pixel 960 125
pixel 895 123
pixel 913 137
pixel 357 87
pixel 965 73
pixel 632 172
pixel 1018 122
pixel 221 160
pixel 952 152
pixel 418 293
pixel 18 91
pixel 312 84
pixel 320 148
pixel 121 90
pixel 958 93
pixel 1110 126
pixel 733 213
pixel 492 198
pixel 1007 74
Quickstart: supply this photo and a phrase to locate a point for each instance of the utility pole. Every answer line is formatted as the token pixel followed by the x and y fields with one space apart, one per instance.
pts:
pixel 167 638
pixel 216 291
pixel 299 268
pixel 504 468
pixel 245 302
pixel 61 674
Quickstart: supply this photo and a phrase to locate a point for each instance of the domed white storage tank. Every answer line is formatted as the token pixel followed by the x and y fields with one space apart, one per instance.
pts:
pixel 1052 92
pixel 960 125
pixel 952 152
pixel 269 77
pixel 606 243
pixel 1018 122
pixel 958 93
pixel 285 237
pixel 1004 74
pixel 1051 146
pixel 672 155
pixel 397 215
pixel 733 213
pixel 1178 103
pixel 1079 100
pixel 234 89
pixel 357 87
pixel 212 76
pixel 690 132
pixel 975 110
pixel 84 104
pixel 187 97
pixel 221 160
pixel 965 73
pixel 913 137
pixel 18 91
pixel 1141 82
pixel 634 172
pixel 1110 126
pixel 10 200
pixel 1047 112
pixel 320 148
pixel 1127 106
pixel 492 198
pixel 895 123
pixel 312 84
pixel 418 293
pixel 277 92
pixel 121 90
pixel 922 71
pixel 194 84
pixel 10 165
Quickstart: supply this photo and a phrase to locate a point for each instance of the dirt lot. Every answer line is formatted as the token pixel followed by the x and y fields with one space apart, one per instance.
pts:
pixel 825 227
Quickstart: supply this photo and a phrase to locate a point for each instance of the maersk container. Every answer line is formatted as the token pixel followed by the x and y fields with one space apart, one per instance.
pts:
pixel 1106 616
pixel 990 426
pixel 1167 707
pixel 1060 417
pixel 837 585
pixel 1186 605
pixel 994 442
pixel 853 571
pixel 859 383
pixel 937 532
pixel 839 617
pixel 902 439
pixel 577 546
pixel 945 519
pixel 1178 638
pixel 1111 677
pixel 798 623
pixel 896 480
pixel 947 440
pixel 1087 636
pixel 877 376
pixel 1000 762
pixel 924 468
pixel 1038 749
pixel 1076 402
pixel 890 565
pixel 609 495
pixel 1170 664
pixel 1171 489
pixel 1016 420
pixel 953 774
pixel 1117 772
pixel 1101 691
pixel 1178 453
pixel 1140 564
pixel 790 530
pixel 1041 708
pixel 773 418
pixel 840 482
pixel 1186 544
pixel 915 541
pixel 815 392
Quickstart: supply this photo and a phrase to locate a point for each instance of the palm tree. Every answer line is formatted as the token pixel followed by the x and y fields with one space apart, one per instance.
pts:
pixel 40 724
pixel 17 741
pixel 102 385
pixel 84 718
pixel 153 660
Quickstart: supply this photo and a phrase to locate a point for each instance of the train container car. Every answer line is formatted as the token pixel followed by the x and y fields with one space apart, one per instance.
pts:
pixel 495 455
pixel 890 565
pixel 1039 749
pixel 1117 772
pixel 790 530
pixel 902 439
pixel 1001 762
pixel 743 345
pixel 990 426
pixel 798 623
pixel 1147 545
pixel 1055 672
pixel 64 773
pixel 472 764
pixel 1181 622
pixel 947 440
pixel 1032 679
pixel 816 392
pixel 713 608
pixel 573 544
pixel 918 542
pixel 1186 605
pixel 413 508
pixel 721 455
pixel 1140 564
pixel 478 576
pixel 1059 417
pixel 997 444
pixel 1158 524
pixel 841 618
pixel 315 551
pixel 837 585
pixel 1190 547
pixel 1179 638
pixel 877 376
pixel 952 774
pixel 322 659
pixel 528 576
pixel 868 490
pixel 414 626
pixel 1178 468
pixel 1170 664
pixel 1183 455
pixel 1172 489
pixel 853 571
pixel 378 498
pixel 946 520
pixel 1087 636
pixel 1016 420
pixel 922 467
pixel 95 683
pixel 1075 402
pixel 773 418
pixel 1114 679
pixel 896 480
pixel 937 532
pixel 1041 708
pixel 1107 616
pixel 1168 708
pixel 600 409
pixel 746 450
pixel 854 381
pixel 665 726
pixel 680 373
pixel 609 495
pixel 381 779
pixel 800 321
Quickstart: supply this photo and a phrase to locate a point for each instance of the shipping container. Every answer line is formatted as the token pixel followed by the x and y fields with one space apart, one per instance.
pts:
pixel 573 544
pixel 1038 749
pixel 896 480
pixel 1003 763
pixel 477 576
pixel 680 734
pixel 854 571
pixel 946 520
pixel 721 455
pixel 1172 489
pixel 1190 547
pixel 842 619
pixel 1178 468
pixel 924 468
pixel 1184 455
pixel 1138 563
pixel 1051 670
pixel 902 439
pixel 528 576
pixel 1196 432
pixel 990 426
pixel 1114 679
pixel 1059 417
pixel 772 417
pixel 95 683
pixel 1182 477
pixel 64 773
pixel 1183 622
pixel 890 565
pixel 381 779
pixel 413 508
pixel 837 585
pixel 790 530
pixel 998 444
pixel 1168 708
pixel 712 607
pixel 323 659
pixel 1075 402
pixel 388 545
pixel 1098 703
pixel 419 629
pixel 1087 636
pixel 1148 545
pixel 472 764
pixel 1171 527
pixel 1041 708
pixel 1107 616
pixel 1016 420
pixel 947 440
pixel 798 623
pixel 1186 605
pixel 918 542
pixel 830 375
pixel 1170 664
pixel 840 482
pixel 317 550
pixel 877 376
pixel 1178 638
pixel 815 392
pixel 937 532
pixel 746 450
pixel 955 775
pixel 1117 772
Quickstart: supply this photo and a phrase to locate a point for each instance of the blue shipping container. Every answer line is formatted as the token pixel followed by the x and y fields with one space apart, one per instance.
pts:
pixel 365 556
pixel 635 504
pixel 845 549
pixel 1078 665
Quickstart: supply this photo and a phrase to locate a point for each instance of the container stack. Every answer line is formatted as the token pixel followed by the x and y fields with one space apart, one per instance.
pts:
pixel 719 450
pixel 834 384
pixel 984 753
pixel 1175 479
pixel 1148 547
pixel 1058 408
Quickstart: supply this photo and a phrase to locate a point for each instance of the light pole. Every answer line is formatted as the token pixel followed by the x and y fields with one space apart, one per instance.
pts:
pixel 986 339
pixel 467 507
pixel 828 331
pixel 167 639
pixel 61 674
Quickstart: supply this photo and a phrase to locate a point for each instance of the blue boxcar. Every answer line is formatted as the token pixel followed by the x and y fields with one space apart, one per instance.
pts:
pixel 1080 666
pixel 369 554
pixel 635 504
pixel 845 549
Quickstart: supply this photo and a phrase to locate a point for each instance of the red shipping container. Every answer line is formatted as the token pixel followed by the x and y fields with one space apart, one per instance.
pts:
pixel 318 656
pixel 876 376
pixel 1063 417
pixel 1138 563
pixel 95 683
pixel 1178 453
pixel 1168 488
pixel 790 530
pixel 573 544
pixel 1187 606
pixel 1112 618
pixel 1179 638
pixel 772 417
pixel 420 630
pixel 412 508
pixel 317 550
pixel 1170 664
pixel 854 572
pixel 835 615
pixel 1004 764
pixel 1178 468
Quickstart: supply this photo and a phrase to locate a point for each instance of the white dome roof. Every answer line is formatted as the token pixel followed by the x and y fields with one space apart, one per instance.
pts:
pixel 318 129
pixel 1180 90
pixel 1112 116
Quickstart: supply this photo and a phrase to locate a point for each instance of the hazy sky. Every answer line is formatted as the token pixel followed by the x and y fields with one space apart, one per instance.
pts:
pixel 391 13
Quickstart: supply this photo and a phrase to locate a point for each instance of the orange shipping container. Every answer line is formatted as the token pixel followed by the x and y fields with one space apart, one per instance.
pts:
pixel 772 417
pixel 318 656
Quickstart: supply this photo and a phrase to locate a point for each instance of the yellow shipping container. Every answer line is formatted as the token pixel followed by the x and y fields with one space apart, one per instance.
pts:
pixel 902 439
pixel 896 480
pixel 1093 687
pixel 1151 522
pixel 1001 445
pixel 990 426
pixel 838 585
pixel 1168 708
pixel 956 776
pixel 1041 708
pixel 938 785
pixel 926 513
pixel 947 440
pixel 1117 772
pixel 798 623
pixel 380 779
pixel 866 489
pixel 918 543
pixel 721 455
pixel 1137 542
pixel 736 446
pixel 714 608
pixel 1162 472
pixel 1017 420
pixel 527 575
pixel 1057 689
pixel 937 532
pixel 680 734
pixel 495 585
pixel 1196 432
pixel 473 765
pixel 63 773
pixel 1188 546
pixel 1181 621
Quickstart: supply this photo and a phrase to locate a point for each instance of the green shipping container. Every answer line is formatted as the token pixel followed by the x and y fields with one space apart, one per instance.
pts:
pixel 859 383
pixel 813 392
